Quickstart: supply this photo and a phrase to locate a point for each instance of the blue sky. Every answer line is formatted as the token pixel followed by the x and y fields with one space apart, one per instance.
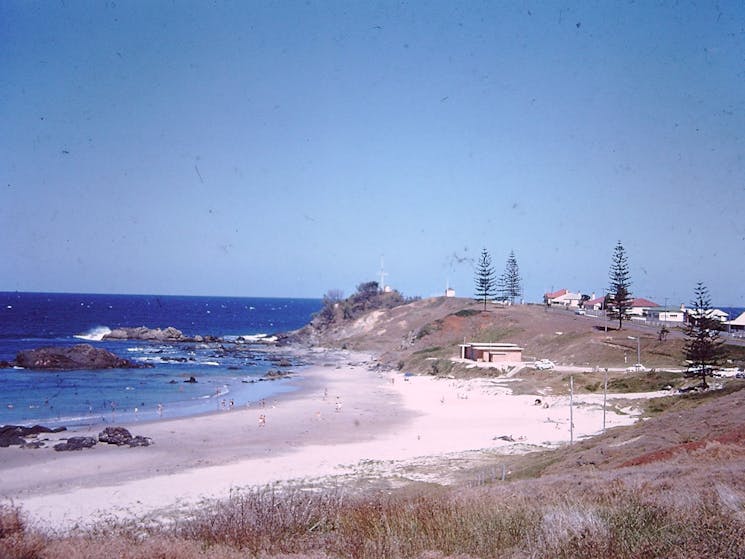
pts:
pixel 282 148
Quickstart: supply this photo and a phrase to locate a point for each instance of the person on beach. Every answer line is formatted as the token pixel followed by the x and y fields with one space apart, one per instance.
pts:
pixel 262 420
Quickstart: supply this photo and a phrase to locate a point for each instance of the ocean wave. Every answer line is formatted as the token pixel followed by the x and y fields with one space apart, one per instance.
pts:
pixel 95 334
pixel 252 339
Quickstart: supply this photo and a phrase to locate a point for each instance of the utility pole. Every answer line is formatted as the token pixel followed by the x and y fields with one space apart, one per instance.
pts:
pixel 605 396
pixel 571 410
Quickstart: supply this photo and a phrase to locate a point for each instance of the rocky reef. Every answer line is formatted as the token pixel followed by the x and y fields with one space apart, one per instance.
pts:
pixel 81 356
pixel 163 335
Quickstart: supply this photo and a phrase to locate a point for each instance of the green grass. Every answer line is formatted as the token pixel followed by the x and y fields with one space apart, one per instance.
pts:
pixel 629 382
pixel 428 350
pixel 681 402
pixel 465 313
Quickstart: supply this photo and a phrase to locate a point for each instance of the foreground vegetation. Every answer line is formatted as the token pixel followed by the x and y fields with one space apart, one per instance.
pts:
pixel 602 517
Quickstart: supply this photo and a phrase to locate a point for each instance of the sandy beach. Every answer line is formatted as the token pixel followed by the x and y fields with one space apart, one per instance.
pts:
pixel 345 417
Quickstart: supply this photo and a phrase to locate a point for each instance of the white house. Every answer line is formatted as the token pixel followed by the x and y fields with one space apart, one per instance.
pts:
pixel 715 314
pixel 562 298
pixel 639 308
pixel 737 324
pixel 667 315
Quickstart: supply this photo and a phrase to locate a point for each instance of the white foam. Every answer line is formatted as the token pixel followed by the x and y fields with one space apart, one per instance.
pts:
pixel 253 339
pixel 95 334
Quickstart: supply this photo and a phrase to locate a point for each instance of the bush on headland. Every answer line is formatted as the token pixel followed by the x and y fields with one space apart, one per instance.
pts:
pixel 368 297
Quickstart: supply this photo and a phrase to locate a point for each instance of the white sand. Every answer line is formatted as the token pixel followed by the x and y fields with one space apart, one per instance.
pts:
pixel 381 417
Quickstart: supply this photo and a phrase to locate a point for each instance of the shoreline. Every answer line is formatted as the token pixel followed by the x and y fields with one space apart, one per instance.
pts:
pixel 345 418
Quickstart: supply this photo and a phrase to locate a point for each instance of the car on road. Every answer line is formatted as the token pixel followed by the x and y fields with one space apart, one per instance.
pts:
pixel 580 311
pixel 636 368
pixel 543 365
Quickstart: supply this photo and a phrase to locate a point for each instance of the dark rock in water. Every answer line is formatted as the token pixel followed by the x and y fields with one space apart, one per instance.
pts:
pixel 16 434
pixel 274 374
pixel 280 361
pixel 169 334
pixel 165 335
pixel 81 356
pixel 191 380
pixel 5 365
pixel 76 443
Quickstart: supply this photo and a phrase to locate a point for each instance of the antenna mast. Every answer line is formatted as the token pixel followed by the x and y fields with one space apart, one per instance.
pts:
pixel 383 273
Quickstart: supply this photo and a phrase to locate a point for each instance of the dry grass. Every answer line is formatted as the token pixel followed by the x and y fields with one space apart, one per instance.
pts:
pixel 601 516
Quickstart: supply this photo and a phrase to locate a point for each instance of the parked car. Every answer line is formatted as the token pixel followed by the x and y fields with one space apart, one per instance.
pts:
pixel 580 311
pixel 543 365
pixel 636 368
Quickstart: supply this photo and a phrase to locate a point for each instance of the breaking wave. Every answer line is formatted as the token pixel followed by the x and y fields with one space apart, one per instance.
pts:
pixel 94 334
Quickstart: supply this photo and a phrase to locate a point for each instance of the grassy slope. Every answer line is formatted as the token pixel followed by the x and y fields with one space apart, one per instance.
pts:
pixel 434 328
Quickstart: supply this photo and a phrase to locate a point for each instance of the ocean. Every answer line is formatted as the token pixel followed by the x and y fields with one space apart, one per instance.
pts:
pixel 226 374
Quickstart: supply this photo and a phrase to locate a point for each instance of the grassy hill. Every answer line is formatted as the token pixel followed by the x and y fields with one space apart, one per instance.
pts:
pixel 413 334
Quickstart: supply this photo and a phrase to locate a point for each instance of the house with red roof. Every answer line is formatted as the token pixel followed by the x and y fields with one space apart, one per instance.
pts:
pixel 595 304
pixel 640 307
pixel 562 298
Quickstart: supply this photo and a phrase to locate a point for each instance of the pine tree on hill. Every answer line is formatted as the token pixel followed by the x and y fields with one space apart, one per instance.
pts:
pixel 485 282
pixel 511 282
pixel 703 346
pixel 618 301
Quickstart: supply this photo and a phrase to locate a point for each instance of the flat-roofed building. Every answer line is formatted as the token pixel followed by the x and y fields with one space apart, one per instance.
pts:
pixel 491 352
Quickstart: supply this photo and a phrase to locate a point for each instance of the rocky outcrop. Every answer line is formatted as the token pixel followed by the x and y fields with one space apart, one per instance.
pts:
pixel 169 334
pixel 165 335
pixel 75 443
pixel 16 435
pixel 81 356
pixel 120 436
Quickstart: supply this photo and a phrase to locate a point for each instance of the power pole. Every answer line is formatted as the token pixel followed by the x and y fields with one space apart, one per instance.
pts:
pixel 571 410
pixel 605 396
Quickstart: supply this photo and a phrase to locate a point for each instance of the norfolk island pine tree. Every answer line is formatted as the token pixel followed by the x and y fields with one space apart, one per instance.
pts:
pixel 619 297
pixel 485 282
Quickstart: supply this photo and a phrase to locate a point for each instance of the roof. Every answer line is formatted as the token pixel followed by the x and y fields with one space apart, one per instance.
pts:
pixel 495 346
pixel 556 294
pixel 595 301
pixel 641 302
pixel 739 321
